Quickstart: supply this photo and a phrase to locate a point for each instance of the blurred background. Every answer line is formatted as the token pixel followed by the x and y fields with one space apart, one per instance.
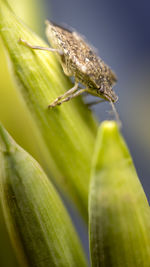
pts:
pixel 121 33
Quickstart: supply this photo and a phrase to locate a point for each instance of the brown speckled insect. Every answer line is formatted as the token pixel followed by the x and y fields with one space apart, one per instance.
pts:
pixel 79 60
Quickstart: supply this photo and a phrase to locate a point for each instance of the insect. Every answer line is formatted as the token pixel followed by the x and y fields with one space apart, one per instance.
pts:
pixel 79 60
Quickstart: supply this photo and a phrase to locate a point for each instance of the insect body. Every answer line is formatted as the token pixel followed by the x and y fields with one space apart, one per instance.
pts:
pixel 79 60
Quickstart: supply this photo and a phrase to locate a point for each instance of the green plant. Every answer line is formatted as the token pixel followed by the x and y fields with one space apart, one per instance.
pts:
pixel 38 225
pixel 66 135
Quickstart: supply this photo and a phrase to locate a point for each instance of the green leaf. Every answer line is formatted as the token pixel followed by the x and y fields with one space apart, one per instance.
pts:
pixel 67 132
pixel 13 113
pixel 38 224
pixel 119 213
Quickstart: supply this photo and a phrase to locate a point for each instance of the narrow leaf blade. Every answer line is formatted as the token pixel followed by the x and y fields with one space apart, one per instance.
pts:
pixel 118 209
pixel 67 132
pixel 38 224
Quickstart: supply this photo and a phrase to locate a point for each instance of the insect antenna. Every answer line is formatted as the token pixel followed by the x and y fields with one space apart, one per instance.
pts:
pixel 115 113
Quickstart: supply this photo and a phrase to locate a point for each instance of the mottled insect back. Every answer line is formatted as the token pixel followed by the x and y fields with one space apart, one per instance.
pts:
pixel 78 59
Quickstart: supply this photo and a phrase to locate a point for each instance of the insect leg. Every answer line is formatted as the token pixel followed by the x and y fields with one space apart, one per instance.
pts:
pixel 79 92
pixel 39 47
pixel 95 103
pixel 69 92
